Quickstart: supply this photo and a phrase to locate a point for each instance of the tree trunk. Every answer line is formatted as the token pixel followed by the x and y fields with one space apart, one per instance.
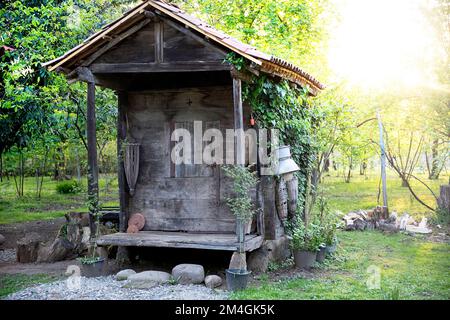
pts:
pixel 444 198
pixel 404 183
pixel 362 168
pixel 349 172
pixel 434 171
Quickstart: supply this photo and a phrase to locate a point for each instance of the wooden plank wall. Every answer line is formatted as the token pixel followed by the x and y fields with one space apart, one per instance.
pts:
pixel 169 203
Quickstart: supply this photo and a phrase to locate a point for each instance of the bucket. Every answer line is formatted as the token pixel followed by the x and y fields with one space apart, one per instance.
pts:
pixel 304 259
pixel 321 254
pixel 237 279
pixel 96 269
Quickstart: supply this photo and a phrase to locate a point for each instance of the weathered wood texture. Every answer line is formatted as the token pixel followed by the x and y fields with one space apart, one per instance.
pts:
pixel 191 200
pixel 270 211
pixel 92 151
pixel 139 47
pixel 238 122
pixel 157 47
pixel 180 46
pixel 226 242
pixel 121 135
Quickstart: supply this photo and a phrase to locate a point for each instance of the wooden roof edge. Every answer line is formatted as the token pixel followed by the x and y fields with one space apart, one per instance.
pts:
pixel 57 62
pixel 288 70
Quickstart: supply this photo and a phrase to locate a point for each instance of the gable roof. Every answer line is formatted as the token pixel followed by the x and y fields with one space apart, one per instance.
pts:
pixel 265 63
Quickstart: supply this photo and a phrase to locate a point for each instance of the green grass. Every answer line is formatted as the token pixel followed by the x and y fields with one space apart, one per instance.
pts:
pixel 411 268
pixel 361 193
pixel 17 282
pixel 51 204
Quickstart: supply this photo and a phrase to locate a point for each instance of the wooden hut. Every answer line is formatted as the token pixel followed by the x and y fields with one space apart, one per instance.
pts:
pixel 168 70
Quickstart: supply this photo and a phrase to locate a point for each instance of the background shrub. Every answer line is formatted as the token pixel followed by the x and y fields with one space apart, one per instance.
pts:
pixel 69 186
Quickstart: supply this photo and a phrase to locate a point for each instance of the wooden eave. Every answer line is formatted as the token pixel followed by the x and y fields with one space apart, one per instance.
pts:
pixel 112 32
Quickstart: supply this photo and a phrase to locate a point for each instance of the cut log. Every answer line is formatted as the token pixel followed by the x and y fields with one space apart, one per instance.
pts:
pixel 281 199
pixel 28 248
pixel 59 250
pixel 77 231
pixel 292 191
pixel 387 227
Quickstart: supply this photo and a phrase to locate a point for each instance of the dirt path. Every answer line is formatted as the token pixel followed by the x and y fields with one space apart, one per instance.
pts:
pixel 47 229
pixel 54 269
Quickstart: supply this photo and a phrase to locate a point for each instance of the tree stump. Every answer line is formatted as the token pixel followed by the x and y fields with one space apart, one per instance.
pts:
pixel 28 248
pixel 444 198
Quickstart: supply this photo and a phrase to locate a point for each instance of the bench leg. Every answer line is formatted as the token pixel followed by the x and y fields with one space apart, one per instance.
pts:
pixel 238 261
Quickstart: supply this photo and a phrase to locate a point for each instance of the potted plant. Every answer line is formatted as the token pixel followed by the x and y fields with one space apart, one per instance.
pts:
pixel 305 242
pixel 329 222
pixel 330 228
pixel 93 265
pixel 242 207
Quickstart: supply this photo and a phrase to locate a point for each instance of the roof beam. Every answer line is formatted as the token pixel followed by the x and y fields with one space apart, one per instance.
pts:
pixel 189 66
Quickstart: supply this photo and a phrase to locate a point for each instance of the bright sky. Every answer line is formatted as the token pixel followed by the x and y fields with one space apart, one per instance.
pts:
pixel 383 42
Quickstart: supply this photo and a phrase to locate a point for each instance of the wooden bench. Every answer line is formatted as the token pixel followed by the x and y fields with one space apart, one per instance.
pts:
pixel 208 241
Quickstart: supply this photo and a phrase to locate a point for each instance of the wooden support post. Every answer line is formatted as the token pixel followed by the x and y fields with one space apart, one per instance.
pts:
pixel 238 143
pixel 123 254
pixel 121 136
pixel 238 123
pixel 270 211
pixel 383 162
pixel 92 156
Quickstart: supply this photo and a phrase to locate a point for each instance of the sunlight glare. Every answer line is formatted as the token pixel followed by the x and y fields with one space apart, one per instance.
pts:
pixel 383 42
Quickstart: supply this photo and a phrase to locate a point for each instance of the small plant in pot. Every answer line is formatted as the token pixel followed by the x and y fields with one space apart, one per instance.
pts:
pixel 242 207
pixel 305 243
pixel 329 222
pixel 93 265
pixel 330 228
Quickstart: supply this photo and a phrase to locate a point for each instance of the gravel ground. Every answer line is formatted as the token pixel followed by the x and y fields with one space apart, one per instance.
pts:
pixel 106 288
pixel 8 255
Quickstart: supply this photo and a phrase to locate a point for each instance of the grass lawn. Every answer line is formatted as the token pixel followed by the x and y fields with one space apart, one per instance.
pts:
pixel 17 282
pixel 361 193
pixel 51 204
pixel 410 268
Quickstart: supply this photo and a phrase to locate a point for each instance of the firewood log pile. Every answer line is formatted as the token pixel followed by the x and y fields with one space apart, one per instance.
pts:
pixel 379 218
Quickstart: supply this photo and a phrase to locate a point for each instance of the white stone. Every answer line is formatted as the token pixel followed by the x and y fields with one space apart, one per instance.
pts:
pixel 213 281
pixel 188 273
pixel 124 274
pixel 423 223
pixel 147 279
pixel 403 221
pixel 414 229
